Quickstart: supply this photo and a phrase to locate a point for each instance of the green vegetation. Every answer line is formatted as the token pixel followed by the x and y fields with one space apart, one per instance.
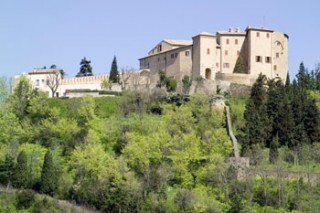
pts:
pixel 114 73
pixel 85 68
pixel 142 152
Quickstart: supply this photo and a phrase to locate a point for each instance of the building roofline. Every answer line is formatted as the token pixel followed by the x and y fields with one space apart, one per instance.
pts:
pixel 178 48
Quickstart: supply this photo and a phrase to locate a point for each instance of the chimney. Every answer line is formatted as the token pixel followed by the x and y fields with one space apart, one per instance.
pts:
pixel 230 30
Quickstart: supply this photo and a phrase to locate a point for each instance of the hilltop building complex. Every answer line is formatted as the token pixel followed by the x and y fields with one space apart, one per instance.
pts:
pixel 232 56
pixel 214 57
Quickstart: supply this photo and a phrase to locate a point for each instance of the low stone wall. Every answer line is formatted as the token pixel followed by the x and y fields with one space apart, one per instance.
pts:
pixel 234 78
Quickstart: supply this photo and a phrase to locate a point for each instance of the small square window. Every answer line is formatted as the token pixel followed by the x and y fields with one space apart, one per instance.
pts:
pixel 275 67
pixel 217 65
pixel 268 59
pixel 268 35
pixel 37 82
pixel 236 41
pixel 228 41
pixel 208 51
pixel 226 65
pixel 277 55
pixel 258 34
pixel 258 58
pixel 176 55
pixel 238 52
pixel 172 56
pixel 187 53
pixel 226 52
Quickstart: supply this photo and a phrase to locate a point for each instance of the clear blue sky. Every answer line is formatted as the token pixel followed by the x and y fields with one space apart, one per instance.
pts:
pixel 37 33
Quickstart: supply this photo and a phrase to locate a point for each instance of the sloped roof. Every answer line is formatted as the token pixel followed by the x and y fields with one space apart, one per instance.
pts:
pixel 178 42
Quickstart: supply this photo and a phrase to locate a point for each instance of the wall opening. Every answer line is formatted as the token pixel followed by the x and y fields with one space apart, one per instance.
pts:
pixel 208 74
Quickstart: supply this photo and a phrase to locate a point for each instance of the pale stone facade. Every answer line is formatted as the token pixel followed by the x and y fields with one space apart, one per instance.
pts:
pixel 207 56
pixel 213 57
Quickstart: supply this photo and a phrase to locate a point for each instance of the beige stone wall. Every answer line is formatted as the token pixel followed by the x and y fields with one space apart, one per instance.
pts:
pixel 204 56
pixel 231 47
pixel 280 55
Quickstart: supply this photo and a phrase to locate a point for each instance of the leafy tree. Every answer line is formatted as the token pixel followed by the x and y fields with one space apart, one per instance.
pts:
pixel 5 88
pixel 20 174
pixel 171 85
pixel 186 84
pixel 18 101
pixel 114 73
pixel 85 68
pixel 239 67
pixel 6 169
pixel 105 84
pixel 163 79
pixel 48 183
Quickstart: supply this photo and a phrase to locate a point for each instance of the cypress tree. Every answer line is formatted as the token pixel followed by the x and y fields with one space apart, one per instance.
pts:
pixel 114 74
pixel 255 115
pixel 302 77
pixel 312 120
pixel 239 67
pixel 48 183
pixel 273 152
pixel 6 169
pixel 20 173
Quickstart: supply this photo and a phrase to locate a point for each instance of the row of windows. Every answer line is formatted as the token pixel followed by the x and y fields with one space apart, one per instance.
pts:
pixel 267 59
pixel 43 81
pixel 175 55
pixel 267 34
pixel 235 41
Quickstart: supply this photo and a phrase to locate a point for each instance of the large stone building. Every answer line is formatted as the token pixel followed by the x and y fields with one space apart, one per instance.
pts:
pixel 206 56
pixel 214 57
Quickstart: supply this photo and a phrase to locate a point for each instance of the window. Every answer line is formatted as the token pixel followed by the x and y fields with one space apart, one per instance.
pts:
pixel 164 58
pixel 228 41
pixel 258 58
pixel 217 65
pixel 43 81
pixel 226 52
pixel 275 67
pixel 160 48
pixel 268 35
pixel 208 51
pixel 236 41
pixel 277 55
pixel 258 34
pixel 158 59
pixel 238 52
pixel 37 82
pixel 172 56
pixel 226 65
pixel 268 59
pixel 187 53
pixel 176 55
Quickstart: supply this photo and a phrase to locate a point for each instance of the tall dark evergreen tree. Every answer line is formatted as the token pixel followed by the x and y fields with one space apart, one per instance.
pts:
pixel 312 120
pixel 85 68
pixel 114 73
pixel 20 174
pixel 275 98
pixel 6 169
pixel 274 153
pixel 302 77
pixel 258 125
pixel 48 182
